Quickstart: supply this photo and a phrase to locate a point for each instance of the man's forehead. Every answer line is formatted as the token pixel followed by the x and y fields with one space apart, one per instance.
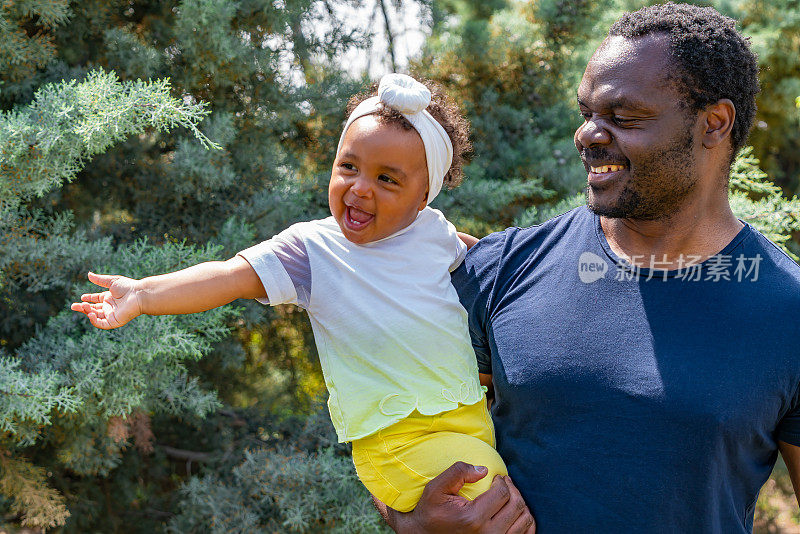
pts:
pixel 621 50
pixel 640 64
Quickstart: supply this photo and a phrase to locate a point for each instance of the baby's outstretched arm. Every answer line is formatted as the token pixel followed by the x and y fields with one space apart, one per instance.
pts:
pixel 191 290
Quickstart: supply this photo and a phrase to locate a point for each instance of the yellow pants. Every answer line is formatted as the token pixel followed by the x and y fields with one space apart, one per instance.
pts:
pixel 397 462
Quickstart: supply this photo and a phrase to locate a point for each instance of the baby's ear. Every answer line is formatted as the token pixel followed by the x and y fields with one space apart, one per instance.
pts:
pixel 424 202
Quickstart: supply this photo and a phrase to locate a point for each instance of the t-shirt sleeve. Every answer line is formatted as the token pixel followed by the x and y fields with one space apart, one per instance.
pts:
pixel 283 267
pixel 460 254
pixel 453 243
pixel 474 281
pixel 789 426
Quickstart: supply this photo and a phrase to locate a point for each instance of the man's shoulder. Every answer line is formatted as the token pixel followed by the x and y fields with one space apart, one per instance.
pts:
pixel 517 240
pixel 774 261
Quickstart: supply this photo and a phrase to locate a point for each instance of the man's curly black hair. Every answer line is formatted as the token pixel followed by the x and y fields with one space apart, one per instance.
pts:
pixel 712 60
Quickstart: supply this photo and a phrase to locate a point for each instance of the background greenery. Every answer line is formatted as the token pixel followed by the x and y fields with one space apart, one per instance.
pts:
pixel 139 137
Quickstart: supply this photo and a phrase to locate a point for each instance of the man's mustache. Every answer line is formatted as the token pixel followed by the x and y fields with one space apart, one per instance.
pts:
pixel 602 154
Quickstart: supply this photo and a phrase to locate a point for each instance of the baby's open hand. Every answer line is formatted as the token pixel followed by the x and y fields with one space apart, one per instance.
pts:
pixel 112 308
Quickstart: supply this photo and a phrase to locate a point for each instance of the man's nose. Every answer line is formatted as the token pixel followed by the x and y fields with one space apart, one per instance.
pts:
pixel 591 133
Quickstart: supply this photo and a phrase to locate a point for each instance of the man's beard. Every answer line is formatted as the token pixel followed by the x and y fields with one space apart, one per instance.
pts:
pixel 657 190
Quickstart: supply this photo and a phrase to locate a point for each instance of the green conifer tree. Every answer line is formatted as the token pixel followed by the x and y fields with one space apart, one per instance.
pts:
pixel 515 67
pixel 103 169
pixel 208 422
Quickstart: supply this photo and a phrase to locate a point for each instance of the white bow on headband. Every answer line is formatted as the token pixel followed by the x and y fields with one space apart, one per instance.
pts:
pixel 409 97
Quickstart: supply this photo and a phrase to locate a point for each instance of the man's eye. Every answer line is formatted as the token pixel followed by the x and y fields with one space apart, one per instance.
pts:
pixel 387 179
pixel 622 121
pixel 586 115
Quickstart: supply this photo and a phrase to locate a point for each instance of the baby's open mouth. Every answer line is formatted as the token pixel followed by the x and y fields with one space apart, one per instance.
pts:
pixel 356 218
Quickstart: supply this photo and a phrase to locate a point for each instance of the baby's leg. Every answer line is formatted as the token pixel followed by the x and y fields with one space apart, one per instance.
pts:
pixel 396 463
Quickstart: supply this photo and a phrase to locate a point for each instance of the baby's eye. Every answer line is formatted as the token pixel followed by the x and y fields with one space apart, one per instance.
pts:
pixel 386 178
pixel 348 166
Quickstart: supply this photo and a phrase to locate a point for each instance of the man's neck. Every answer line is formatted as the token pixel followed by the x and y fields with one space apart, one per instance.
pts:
pixel 698 229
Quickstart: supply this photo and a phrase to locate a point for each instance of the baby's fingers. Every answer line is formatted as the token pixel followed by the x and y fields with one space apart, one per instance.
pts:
pixel 99 322
pixel 102 280
pixel 94 297
pixel 86 308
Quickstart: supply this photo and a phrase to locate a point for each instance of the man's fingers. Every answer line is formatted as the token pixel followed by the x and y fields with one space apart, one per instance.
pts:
pixel 523 525
pixel 452 479
pixel 492 501
pixel 514 517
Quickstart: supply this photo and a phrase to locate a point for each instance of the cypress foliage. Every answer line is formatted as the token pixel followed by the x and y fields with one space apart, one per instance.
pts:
pixel 515 67
pixel 755 199
pixel 51 383
pixel 208 422
pixel 774 28
pixel 104 167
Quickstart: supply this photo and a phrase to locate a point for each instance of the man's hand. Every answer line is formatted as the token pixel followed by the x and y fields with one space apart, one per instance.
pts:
pixel 440 509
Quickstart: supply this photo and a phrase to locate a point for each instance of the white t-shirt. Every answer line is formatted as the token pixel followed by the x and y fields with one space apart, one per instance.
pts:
pixel 391 333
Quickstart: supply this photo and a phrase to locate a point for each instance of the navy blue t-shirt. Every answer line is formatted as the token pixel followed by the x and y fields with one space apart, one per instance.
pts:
pixel 635 401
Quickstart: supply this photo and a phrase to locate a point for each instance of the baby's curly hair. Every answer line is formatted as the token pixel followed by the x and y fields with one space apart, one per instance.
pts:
pixel 445 111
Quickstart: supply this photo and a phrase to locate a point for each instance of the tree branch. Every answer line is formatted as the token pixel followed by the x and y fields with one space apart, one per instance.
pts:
pixel 389 35
pixel 182 454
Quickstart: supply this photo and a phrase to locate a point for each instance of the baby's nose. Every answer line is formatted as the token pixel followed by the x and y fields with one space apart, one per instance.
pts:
pixel 361 187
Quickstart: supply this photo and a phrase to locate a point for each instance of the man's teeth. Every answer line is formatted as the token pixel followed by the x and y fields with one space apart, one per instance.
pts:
pixel 607 168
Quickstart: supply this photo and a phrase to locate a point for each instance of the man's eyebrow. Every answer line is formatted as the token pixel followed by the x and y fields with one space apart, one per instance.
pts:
pixel 628 103
pixel 621 102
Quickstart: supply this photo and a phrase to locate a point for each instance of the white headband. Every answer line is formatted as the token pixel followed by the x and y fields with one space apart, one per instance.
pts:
pixel 409 97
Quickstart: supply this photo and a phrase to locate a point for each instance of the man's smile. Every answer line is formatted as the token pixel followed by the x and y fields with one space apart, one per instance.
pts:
pixel 601 173
pixel 606 168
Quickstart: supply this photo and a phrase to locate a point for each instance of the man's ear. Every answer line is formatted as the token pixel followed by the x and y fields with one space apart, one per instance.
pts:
pixel 718 122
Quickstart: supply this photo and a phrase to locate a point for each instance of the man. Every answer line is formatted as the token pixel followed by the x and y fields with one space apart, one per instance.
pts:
pixel 643 349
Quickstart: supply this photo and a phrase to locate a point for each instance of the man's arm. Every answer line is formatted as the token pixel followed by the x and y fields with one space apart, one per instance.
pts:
pixel 791 457
pixel 468 240
pixel 440 509
pixel 486 380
